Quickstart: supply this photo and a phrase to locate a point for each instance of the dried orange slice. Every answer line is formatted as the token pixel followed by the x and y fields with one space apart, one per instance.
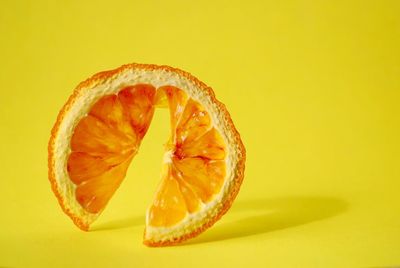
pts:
pixel 99 131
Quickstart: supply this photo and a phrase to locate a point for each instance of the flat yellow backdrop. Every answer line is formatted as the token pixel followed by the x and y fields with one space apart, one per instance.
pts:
pixel 312 86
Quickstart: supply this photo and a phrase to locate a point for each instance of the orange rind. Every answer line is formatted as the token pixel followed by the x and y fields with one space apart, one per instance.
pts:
pixel 99 130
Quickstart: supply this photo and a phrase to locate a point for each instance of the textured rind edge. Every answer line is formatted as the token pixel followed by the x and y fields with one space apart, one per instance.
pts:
pixel 239 169
pixel 99 77
pixel 105 75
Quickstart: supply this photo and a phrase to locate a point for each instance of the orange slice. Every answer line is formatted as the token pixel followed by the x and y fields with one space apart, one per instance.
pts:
pixel 99 131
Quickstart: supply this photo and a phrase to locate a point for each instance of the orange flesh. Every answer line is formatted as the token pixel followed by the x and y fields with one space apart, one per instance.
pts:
pixel 105 141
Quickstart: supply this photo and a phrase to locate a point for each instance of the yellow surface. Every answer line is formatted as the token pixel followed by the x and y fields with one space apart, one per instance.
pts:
pixel 312 86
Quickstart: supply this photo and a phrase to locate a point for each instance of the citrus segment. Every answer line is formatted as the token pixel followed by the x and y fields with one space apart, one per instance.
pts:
pixel 138 102
pixel 193 123
pixel 176 100
pixel 192 201
pixel 169 205
pixel 109 109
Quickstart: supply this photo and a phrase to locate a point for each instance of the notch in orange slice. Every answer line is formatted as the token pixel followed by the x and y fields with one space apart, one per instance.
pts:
pixel 99 130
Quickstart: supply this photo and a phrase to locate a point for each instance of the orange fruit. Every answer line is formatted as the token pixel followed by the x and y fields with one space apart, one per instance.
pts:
pixel 99 131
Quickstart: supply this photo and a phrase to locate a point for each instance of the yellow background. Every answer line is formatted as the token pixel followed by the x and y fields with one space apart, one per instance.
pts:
pixel 312 86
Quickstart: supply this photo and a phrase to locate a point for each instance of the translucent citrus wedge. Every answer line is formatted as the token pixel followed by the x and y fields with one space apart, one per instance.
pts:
pixel 99 130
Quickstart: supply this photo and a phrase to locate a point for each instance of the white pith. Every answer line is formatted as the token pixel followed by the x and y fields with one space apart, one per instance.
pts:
pixel 83 103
